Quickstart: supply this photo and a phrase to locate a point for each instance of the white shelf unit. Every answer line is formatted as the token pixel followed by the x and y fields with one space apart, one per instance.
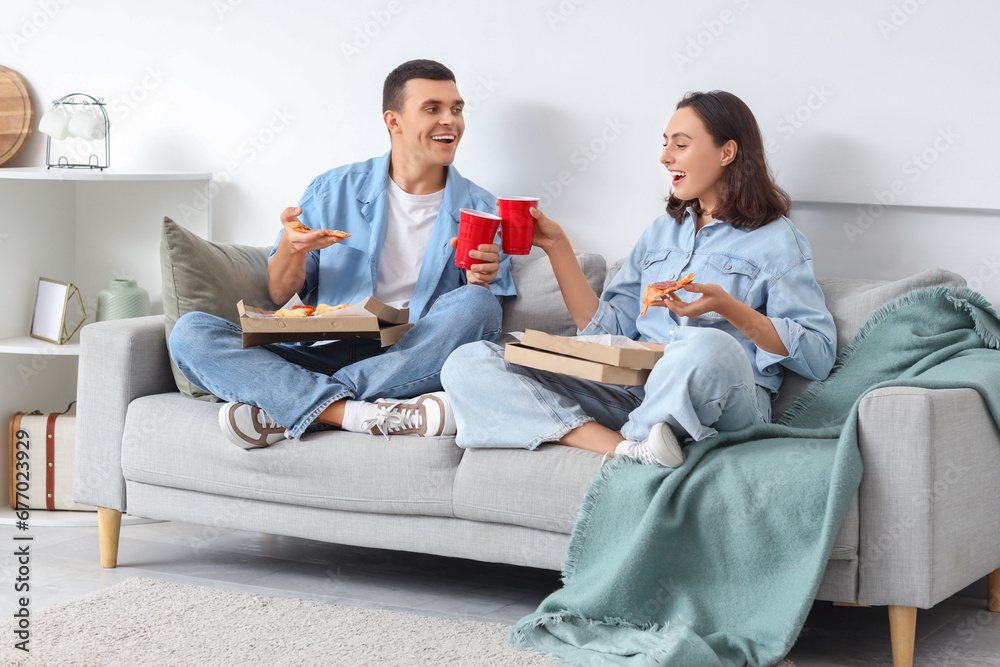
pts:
pixel 85 227
pixel 29 345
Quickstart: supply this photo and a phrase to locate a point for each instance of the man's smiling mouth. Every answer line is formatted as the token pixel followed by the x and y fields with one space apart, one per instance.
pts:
pixel 444 138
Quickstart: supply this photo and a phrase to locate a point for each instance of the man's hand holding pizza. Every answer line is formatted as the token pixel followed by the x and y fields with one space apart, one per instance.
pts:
pixel 302 239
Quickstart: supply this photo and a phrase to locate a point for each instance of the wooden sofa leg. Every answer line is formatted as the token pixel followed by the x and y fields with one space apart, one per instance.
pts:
pixel 993 590
pixel 902 634
pixel 109 525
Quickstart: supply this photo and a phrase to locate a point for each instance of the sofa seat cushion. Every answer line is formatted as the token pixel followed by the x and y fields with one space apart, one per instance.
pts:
pixel 535 489
pixel 543 489
pixel 174 441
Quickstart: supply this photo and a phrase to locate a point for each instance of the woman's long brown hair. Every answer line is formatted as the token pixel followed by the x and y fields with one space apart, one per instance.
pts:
pixel 748 197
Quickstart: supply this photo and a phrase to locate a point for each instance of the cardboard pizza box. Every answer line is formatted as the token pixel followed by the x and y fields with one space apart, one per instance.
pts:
pixel 369 319
pixel 584 359
pixel 626 357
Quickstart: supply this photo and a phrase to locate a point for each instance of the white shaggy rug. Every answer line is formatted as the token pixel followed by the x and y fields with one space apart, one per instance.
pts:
pixel 149 622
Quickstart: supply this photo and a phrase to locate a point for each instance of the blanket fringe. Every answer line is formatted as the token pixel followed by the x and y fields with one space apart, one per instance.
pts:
pixel 962 298
pixel 594 491
pixel 518 637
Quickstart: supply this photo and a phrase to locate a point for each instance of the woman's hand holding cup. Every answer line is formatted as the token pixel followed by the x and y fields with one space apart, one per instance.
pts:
pixel 547 232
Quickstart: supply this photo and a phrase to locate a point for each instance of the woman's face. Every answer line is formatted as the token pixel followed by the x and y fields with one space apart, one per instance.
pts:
pixel 695 163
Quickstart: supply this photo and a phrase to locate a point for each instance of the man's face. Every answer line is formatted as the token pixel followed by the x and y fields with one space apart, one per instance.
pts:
pixel 429 126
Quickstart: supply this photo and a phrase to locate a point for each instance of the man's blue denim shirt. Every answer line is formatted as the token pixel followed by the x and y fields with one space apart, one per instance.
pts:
pixel 770 269
pixel 354 198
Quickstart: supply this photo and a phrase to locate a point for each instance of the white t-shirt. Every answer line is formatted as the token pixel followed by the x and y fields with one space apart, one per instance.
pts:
pixel 411 221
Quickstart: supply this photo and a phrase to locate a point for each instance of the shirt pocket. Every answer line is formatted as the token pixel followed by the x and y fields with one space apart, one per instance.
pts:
pixel 736 276
pixel 659 265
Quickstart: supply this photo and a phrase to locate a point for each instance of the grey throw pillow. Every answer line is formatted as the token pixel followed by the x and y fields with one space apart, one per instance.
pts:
pixel 200 275
pixel 539 303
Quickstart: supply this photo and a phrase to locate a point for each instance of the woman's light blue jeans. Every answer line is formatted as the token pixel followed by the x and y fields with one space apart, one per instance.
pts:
pixel 703 384
pixel 293 384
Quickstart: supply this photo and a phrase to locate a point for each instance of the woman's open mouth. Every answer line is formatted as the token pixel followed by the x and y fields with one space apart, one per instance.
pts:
pixel 677 176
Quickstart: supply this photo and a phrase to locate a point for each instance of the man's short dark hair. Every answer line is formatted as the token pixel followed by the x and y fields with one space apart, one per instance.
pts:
pixel 394 89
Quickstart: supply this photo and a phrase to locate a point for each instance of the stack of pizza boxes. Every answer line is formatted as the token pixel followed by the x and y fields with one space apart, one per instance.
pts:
pixel 588 360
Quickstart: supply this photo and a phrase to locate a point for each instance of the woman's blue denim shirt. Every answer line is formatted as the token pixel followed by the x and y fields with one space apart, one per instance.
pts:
pixel 770 269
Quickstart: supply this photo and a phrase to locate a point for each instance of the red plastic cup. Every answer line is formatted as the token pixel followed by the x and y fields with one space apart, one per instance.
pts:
pixel 518 227
pixel 474 229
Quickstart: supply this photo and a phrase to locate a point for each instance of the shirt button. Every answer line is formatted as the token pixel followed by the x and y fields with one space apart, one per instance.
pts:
pixel 704 232
pixel 729 266
pixel 671 276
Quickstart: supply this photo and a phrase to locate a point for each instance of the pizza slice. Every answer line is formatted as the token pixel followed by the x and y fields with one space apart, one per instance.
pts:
pixel 324 308
pixel 299 227
pixel 295 311
pixel 657 291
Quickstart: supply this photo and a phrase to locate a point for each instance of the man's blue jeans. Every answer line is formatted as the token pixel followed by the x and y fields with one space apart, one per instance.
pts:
pixel 702 384
pixel 293 384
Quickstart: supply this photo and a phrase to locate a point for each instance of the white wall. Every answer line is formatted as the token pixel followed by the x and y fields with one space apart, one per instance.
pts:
pixel 849 94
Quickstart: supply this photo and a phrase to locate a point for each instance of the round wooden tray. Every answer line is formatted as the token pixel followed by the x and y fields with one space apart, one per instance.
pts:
pixel 16 115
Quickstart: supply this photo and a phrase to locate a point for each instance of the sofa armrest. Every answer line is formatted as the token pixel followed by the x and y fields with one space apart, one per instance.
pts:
pixel 120 361
pixel 929 511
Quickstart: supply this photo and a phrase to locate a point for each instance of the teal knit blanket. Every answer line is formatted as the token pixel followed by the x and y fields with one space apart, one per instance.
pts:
pixel 718 561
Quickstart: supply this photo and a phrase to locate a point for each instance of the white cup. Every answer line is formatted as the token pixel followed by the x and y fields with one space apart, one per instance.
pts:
pixel 55 123
pixel 87 123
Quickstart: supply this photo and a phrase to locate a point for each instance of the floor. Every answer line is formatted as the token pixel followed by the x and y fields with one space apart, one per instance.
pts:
pixel 65 564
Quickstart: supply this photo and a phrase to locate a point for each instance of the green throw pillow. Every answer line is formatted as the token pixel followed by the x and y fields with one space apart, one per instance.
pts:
pixel 200 275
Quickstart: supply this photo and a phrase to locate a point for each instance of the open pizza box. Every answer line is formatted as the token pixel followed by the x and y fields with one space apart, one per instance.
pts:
pixel 611 364
pixel 369 319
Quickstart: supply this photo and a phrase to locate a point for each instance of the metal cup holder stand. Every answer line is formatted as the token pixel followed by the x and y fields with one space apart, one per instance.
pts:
pixel 94 161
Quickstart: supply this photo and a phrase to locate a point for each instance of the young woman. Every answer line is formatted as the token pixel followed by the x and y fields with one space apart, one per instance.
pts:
pixel 756 309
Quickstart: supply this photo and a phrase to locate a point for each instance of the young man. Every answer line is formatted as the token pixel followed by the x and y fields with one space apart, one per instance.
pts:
pixel 402 211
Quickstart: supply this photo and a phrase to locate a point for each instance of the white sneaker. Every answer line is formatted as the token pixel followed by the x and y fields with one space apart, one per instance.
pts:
pixel 249 427
pixel 659 449
pixel 427 415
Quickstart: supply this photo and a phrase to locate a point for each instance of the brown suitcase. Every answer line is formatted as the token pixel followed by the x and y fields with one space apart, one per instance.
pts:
pixel 41 461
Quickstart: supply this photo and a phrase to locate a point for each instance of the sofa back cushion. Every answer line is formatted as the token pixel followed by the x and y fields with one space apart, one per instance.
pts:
pixel 851 301
pixel 200 275
pixel 539 303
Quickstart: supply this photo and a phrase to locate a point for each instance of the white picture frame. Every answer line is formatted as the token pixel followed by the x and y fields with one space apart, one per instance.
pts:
pixel 48 321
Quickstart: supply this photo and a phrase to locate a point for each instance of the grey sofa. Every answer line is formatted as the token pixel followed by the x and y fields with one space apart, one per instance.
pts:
pixel 911 537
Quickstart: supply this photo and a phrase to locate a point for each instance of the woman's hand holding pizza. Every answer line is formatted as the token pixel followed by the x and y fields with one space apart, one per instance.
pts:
pixel 482 274
pixel 713 299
